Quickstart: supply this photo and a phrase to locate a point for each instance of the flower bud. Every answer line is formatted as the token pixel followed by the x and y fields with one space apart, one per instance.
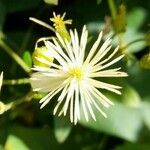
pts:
pixel 60 25
pixel 42 57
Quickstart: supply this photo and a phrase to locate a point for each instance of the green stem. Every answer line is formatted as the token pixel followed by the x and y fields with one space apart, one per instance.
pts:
pixel 26 98
pixel 42 23
pixel 14 56
pixel 113 12
pixel 112 8
pixel 17 81
pixel 132 42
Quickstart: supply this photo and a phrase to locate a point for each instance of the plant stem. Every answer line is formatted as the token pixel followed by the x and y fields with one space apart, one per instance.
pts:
pixel 113 12
pixel 17 81
pixel 42 23
pixel 112 8
pixel 7 49
pixel 132 42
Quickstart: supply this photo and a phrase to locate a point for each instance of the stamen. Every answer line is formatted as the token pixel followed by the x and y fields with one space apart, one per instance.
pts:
pixel 77 73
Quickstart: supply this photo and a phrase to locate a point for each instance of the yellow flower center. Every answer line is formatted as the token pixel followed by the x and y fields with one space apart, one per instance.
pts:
pixel 77 73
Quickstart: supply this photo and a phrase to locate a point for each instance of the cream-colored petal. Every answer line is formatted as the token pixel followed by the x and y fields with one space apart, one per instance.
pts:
pixel 83 104
pixel 100 97
pixel 88 102
pixel 61 98
pixel 1 80
pixel 110 56
pixel 93 49
pixel 99 56
pixel 76 104
pixel 47 98
pixel 60 51
pixel 76 42
pixel 71 111
pixel 103 85
pixel 96 69
pixel 74 46
pixel 112 62
pixel 108 73
pixel 55 54
pixel 94 101
pixel 68 98
pixel 70 51
pixel 61 40
pixel 83 43
pixel 43 83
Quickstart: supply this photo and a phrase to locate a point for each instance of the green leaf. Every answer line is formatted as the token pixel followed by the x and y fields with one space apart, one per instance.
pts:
pixel 1 147
pixel 51 2
pixel 34 138
pixel 19 5
pixel 132 35
pixel 146 113
pixel 139 78
pixel 130 96
pixel 132 32
pixel 27 58
pixel 131 146
pixel 14 143
pixel 136 18
pixel 62 129
pixel 123 121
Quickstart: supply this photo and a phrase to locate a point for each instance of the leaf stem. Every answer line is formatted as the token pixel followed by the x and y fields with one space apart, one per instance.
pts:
pixel 113 11
pixel 42 23
pixel 16 81
pixel 132 42
pixel 20 62
pixel 112 8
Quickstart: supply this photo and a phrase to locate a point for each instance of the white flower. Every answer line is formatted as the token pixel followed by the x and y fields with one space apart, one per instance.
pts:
pixel 74 75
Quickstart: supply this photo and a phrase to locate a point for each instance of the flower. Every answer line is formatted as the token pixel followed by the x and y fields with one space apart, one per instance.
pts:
pixel 41 53
pixel 60 25
pixel 59 21
pixel 74 75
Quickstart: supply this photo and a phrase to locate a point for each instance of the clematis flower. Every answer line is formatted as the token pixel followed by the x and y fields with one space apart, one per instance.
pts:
pixel 75 75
